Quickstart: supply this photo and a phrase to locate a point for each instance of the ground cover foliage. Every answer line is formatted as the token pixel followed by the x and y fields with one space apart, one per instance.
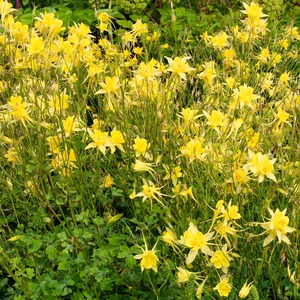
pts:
pixel 134 169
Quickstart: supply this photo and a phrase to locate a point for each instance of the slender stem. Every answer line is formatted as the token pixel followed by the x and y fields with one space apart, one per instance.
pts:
pixel 153 288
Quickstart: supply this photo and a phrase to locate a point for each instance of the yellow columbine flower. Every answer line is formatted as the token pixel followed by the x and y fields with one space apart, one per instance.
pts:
pixel 173 174
pixel 223 287
pixel 59 102
pixel 219 208
pixel 183 275
pixel 200 289
pixel 223 228
pixel 196 240
pixel 189 115
pixel 103 27
pixel 244 292
pixel 104 17
pixel 36 45
pixel 187 192
pixel 240 176
pixel 284 78
pixel 108 181
pixel 215 119
pixel 138 50
pixel 244 96
pixel 179 66
pixel 231 213
pixel 12 156
pixel 139 27
pixel 277 226
pixel 111 85
pixel 100 140
pixel 253 10
pixel 148 259
pixel 220 40
pixel 221 259
pixel 264 55
pixel 254 14
pixel 150 192
pixel 19 32
pixel 169 237
pixel 140 166
pixel 194 150
pixel 147 71
pixel 18 109
pixel 116 140
pixel 281 116
pixel 53 143
pixel 5 9
pixel 71 124
pixel 260 165
pixel 230 82
pixel 140 146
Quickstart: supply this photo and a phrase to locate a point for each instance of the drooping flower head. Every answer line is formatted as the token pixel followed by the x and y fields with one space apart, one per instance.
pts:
pixel 148 258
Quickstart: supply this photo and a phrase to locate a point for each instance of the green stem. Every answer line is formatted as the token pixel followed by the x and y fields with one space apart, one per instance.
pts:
pixel 152 285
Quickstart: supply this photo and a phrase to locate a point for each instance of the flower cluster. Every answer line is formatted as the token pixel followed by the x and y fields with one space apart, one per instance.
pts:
pixel 193 149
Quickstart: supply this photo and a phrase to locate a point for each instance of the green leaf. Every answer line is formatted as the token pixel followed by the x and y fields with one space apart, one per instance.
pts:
pixel 59 289
pixel 66 291
pixel 124 248
pixel 46 9
pixel 116 14
pixel 99 277
pixel 62 236
pixel 64 9
pixel 51 251
pixel 84 15
pixel 26 19
pixel 64 265
pixel 98 221
pixel 87 235
pixel 78 296
pixel 30 168
pixel 69 282
pixel 30 272
pixel 3 282
pixel 80 258
pixel 87 295
pixel 114 241
pixel 130 261
pixel 124 251
pixel 116 192
pixel 124 23
pixel 36 245
pixel 33 287
pixel 134 17
pixel 122 254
